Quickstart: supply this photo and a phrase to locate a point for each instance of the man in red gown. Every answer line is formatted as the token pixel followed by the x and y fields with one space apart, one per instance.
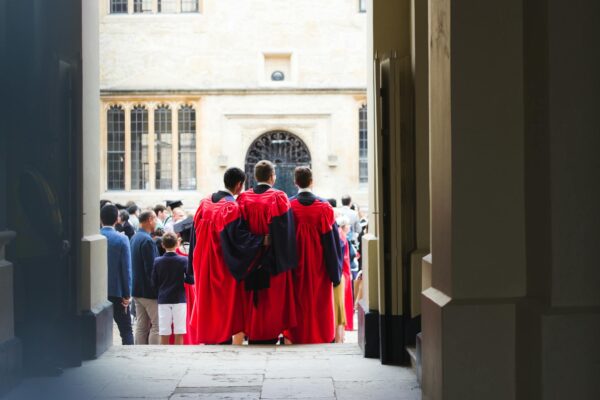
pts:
pixel 269 308
pixel 221 250
pixel 319 263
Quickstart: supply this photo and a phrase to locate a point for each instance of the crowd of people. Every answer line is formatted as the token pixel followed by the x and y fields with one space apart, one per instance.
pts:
pixel 250 265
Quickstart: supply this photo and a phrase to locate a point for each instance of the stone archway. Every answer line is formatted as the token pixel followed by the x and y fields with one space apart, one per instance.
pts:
pixel 285 150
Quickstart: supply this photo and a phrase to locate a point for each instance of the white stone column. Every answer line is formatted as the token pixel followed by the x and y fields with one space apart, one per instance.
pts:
pixel 93 305
pixel 104 107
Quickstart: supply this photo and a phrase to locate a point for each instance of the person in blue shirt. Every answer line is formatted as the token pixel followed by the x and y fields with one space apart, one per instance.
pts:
pixel 143 253
pixel 168 276
pixel 119 272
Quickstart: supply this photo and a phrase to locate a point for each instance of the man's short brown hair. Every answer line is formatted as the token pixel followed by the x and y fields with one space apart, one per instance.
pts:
pixel 303 177
pixel 264 170
pixel 169 240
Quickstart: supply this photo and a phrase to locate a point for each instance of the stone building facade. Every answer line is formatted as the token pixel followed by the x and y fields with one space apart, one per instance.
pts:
pixel 190 87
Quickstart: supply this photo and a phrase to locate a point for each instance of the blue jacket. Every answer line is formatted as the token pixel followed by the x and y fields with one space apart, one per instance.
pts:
pixel 168 277
pixel 143 253
pixel 119 263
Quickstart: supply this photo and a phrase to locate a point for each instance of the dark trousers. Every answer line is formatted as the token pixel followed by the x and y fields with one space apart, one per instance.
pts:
pixel 122 318
pixel 268 341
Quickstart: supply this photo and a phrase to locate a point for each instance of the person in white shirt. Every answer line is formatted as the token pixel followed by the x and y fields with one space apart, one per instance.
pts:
pixel 352 215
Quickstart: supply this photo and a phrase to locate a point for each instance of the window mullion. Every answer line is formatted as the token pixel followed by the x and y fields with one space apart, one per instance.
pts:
pixel 104 129
pixel 151 156
pixel 127 108
pixel 175 145
pixel 197 142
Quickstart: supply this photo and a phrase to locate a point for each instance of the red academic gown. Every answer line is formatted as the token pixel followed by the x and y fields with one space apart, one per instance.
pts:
pixel 269 297
pixel 221 249
pixel 190 336
pixel 319 268
pixel 348 299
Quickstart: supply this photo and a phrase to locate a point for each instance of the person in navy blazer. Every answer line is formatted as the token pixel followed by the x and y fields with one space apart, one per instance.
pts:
pixel 119 272
pixel 143 253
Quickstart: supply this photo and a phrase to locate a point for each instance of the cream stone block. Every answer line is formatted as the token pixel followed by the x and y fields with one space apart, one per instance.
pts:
pixel 426 272
pixel 468 349
pixel 370 267
pixel 94 274
pixel 416 276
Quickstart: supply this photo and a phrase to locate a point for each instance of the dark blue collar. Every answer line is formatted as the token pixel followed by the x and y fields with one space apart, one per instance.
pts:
pixel 306 198
pixel 170 254
pixel 221 194
pixel 260 189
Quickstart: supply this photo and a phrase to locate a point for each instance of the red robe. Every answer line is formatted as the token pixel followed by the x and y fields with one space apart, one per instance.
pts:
pixel 190 294
pixel 269 300
pixel 348 299
pixel 319 268
pixel 221 249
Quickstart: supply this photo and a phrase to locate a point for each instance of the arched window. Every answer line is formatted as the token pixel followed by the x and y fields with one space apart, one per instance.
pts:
pixel 139 148
pixel 187 147
pixel 115 148
pixel 162 147
pixel 118 6
pixel 363 157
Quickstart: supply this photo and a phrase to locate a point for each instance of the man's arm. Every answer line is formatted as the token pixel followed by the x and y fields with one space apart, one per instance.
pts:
pixel 154 278
pixel 126 268
pixel 333 254
pixel 283 236
pixel 149 253
pixel 239 247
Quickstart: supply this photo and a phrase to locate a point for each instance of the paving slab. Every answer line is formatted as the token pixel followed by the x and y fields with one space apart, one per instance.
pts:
pixel 377 390
pixel 196 379
pixel 306 388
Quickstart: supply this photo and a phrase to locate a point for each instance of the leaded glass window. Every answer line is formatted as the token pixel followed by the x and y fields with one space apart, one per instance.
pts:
pixel 362 6
pixel 167 6
pixel 139 148
pixel 363 158
pixel 118 6
pixel 189 6
pixel 162 146
pixel 115 148
pixel 187 148
pixel 142 6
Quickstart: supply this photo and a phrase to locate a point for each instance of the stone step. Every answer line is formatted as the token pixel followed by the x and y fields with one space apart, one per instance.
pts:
pixel 412 352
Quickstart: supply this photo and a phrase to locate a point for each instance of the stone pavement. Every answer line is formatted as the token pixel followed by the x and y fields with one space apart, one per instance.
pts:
pixel 227 372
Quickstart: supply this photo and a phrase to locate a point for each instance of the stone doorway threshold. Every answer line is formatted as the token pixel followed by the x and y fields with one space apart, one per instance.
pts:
pixel 226 372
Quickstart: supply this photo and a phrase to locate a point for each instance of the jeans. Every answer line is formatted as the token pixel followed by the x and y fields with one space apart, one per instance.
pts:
pixel 122 318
